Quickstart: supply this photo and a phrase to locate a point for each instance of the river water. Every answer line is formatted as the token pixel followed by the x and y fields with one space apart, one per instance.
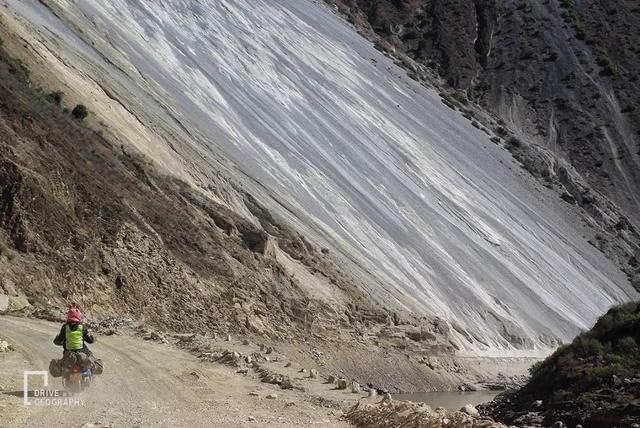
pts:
pixel 453 400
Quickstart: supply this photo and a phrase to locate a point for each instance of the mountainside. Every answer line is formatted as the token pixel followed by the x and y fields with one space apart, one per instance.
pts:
pixel 561 75
pixel 85 221
pixel 89 222
pixel 280 116
pixel 594 381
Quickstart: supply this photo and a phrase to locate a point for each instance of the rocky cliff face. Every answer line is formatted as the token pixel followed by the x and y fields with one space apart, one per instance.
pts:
pixel 562 75
pixel 427 219
pixel 455 36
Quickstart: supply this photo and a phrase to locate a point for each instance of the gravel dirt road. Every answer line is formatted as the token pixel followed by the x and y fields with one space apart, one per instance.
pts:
pixel 144 384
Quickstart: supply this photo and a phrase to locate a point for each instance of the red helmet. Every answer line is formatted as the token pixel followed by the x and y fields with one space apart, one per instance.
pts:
pixel 74 314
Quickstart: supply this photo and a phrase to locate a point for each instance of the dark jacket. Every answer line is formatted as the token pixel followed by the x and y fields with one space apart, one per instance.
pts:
pixel 86 337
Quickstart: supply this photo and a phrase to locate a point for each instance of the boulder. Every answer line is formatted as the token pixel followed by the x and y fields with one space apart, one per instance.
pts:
pixel 17 303
pixel 342 384
pixel 258 241
pixel 470 410
pixel 245 342
pixel 273 378
pixel 153 335
pixel 9 286
pixel 228 338
pixel 271 396
pixel 355 387
pixel 5 346
pixel 468 387
pixel 331 379
pixel 372 393
pixel 419 335
pixel 313 373
pixel 242 371
pixel 4 303
pixel 616 380
pixel 286 383
pixel 386 398
pixel 536 405
pixel 230 358
pixel 531 418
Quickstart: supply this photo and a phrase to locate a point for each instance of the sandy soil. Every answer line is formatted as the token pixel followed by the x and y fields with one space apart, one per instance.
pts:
pixel 150 384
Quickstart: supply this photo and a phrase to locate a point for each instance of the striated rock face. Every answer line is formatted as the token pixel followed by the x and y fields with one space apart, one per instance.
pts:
pixel 291 125
pixel 562 73
pixel 82 221
pixel 614 234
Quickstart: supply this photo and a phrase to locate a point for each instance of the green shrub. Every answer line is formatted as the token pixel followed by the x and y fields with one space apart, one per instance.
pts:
pixel 585 347
pixel 80 112
pixel 55 97
pixel 627 345
pixel 460 96
pixel 553 56
pixel 562 395
pixel 501 130
pixel 514 142
pixel 608 68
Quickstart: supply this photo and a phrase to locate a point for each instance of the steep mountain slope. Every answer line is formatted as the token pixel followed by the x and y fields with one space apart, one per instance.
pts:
pixel 564 73
pixel 285 101
pixel 84 221
pixel 560 74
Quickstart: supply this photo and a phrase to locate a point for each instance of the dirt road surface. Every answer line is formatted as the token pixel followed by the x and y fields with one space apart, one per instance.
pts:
pixel 144 384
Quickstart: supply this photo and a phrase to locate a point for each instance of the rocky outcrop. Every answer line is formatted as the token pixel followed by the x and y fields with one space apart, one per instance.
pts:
pixel 386 414
pixel 614 234
pixel 453 36
pixel 5 346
